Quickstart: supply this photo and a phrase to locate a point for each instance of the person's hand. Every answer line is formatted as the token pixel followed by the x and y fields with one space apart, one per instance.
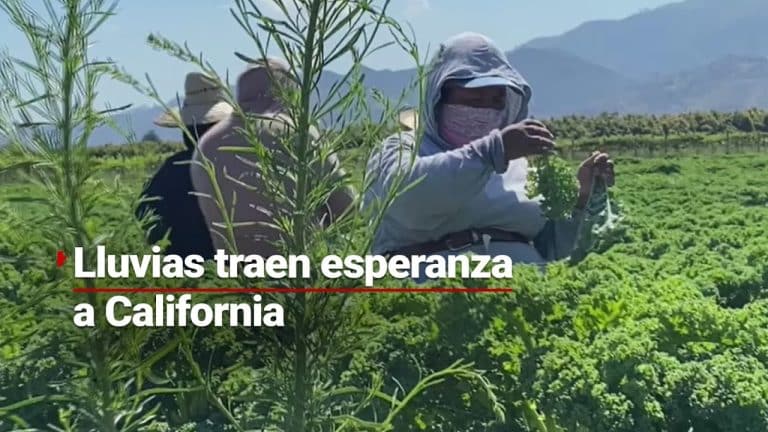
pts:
pixel 527 138
pixel 598 164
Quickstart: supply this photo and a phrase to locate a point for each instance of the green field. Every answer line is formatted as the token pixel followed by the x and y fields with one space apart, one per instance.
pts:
pixel 663 328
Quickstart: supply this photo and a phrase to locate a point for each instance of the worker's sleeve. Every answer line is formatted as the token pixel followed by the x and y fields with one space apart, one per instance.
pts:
pixel 431 187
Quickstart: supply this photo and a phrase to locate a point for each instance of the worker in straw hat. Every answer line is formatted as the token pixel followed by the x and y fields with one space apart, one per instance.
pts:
pixel 248 197
pixel 167 195
pixel 466 187
pixel 203 106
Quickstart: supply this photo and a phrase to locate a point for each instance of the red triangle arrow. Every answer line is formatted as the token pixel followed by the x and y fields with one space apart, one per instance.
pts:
pixel 60 258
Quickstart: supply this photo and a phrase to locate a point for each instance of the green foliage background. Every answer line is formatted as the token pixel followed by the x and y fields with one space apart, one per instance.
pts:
pixel 666 328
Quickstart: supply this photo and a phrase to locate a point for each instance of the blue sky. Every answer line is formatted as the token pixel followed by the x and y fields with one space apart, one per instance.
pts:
pixel 207 26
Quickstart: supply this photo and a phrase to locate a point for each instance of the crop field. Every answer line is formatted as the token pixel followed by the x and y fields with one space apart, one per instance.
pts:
pixel 663 327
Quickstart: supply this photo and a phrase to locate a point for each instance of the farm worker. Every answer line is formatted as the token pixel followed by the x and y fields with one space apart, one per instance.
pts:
pixel 254 210
pixel 167 195
pixel 466 182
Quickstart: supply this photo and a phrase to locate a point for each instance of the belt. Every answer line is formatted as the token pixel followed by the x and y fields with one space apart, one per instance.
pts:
pixel 460 240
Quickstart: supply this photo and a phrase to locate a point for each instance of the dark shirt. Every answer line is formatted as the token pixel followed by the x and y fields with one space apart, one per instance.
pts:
pixel 167 196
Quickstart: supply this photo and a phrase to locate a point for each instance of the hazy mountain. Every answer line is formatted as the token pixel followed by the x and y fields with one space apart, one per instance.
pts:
pixel 140 120
pixel 137 121
pixel 562 83
pixel 692 55
pixel 670 38
pixel 729 84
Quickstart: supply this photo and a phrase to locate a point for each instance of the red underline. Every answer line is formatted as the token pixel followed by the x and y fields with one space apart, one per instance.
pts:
pixel 363 290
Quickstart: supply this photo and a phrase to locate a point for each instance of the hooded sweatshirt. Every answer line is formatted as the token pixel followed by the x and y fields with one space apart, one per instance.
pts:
pixel 239 175
pixel 447 190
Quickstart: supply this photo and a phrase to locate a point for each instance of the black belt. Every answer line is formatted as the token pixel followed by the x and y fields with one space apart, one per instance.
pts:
pixel 460 240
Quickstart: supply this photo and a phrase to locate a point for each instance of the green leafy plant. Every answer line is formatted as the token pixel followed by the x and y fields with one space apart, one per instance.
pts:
pixel 553 179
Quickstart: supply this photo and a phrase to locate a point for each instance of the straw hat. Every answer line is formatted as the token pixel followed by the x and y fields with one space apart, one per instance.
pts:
pixel 409 119
pixel 204 102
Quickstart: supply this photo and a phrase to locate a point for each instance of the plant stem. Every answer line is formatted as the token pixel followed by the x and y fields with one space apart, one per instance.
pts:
pixel 297 414
pixel 72 55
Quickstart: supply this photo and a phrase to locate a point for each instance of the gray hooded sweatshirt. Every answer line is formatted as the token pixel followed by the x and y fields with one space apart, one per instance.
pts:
pixel 445 190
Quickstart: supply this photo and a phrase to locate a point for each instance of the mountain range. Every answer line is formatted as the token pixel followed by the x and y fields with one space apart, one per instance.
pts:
pixel 687 56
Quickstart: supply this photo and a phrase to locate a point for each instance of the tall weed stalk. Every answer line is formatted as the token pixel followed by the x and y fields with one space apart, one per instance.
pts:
pixel 48 114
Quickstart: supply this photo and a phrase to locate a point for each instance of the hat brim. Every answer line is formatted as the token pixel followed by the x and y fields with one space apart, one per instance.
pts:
pixel 489 81
pixel 409 119
pixel 168 119
pixel 195 115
